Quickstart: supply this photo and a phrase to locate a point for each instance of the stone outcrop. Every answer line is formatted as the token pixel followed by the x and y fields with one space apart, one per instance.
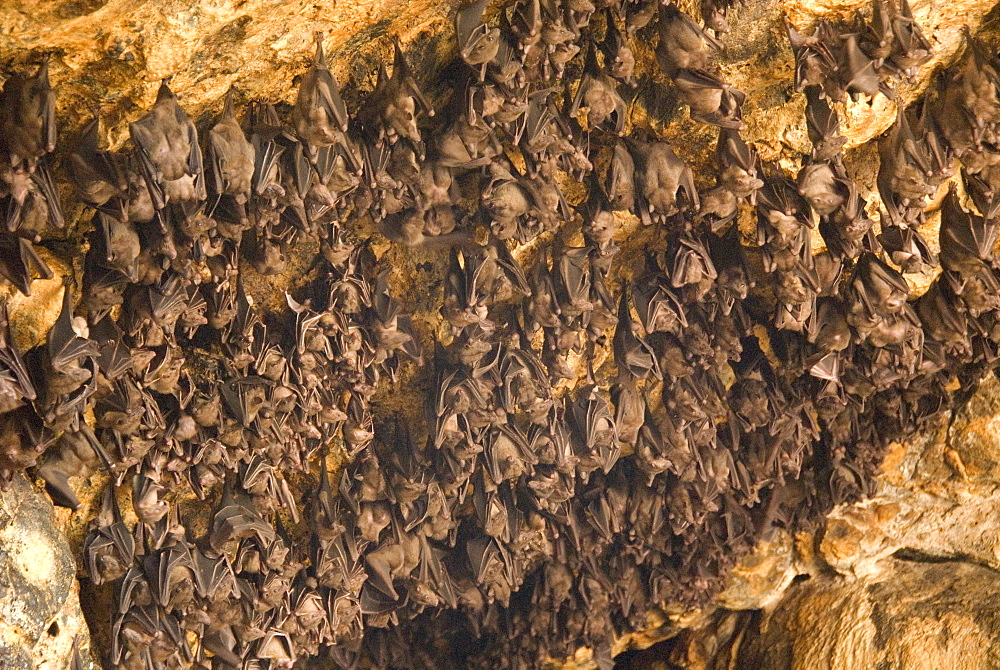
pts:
pixel 40 615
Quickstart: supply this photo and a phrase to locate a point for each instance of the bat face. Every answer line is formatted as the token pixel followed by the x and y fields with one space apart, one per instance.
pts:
pixel 478 44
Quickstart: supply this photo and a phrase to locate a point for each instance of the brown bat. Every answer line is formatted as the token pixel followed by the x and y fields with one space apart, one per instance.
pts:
pixel 661 177
pixel 478 44
pixel 319 116
pixel 390 112
pixel 683 45
pixel 633 355
pixel 823 125
pixel 98 175
pixel 109 548
pixel 19 261
pixel 598 96
pixel 27 123
pixel 231 158
pixel 710 99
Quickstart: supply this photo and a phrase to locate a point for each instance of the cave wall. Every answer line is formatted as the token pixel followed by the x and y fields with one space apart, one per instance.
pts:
pixel 936 497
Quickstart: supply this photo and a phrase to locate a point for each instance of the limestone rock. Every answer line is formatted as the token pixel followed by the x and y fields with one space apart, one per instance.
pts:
pixel 40 612
pixel 918 616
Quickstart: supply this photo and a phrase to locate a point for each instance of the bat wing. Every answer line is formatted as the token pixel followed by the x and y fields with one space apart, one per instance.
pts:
pixel 145 143
pixel 65 347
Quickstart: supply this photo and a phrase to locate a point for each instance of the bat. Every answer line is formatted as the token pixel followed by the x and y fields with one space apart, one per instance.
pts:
pixel 478 44
pixel 19 261
pixel 98 175
pixel 824 186
pixel 910 170
pixel 231 158
pixel 660 176
pixel 16 386
pixel 815 61
pixel 967 241
pixel 847 230
pixel 598 97
pixel 910 49
pixel 596 437
pixel 634 357
pixel 823 126
pixel 390 111
pixel 618 56
pixel 168 154
pixel 710 99
pixel 619 180
pixel 907 248
pixel 235 519
pixel 658 308
pixel 319 116
pixel 28 121
pixel 684 45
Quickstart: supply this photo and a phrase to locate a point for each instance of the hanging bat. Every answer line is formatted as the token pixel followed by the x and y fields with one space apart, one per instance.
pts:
pixel 619 180
pixel 597 94
pixel 823 126
pixel 630 410
pixel 967 241
pixel 166 144
pixel 390 111
pixel 478 44
pixel 231 158
pixel 710 99
pixel 235 519
pixel 633 355
pixel 319 115
pixel 16 385
pixel 856 72
pixel 660 177
pixel 618 56
pixel 67 355
pixel 848 228
pixel 465 295
pixel 40 209
pixel 594 430
pixel 907 248
pixel 690 263
pixel 683 43
pixel 27 123
pixel 658 308
pixel 98 175
pixel 815 62
pixel 908 172
pixel 19 261
pixel 910 49
pixel 941 318
pixel 877 289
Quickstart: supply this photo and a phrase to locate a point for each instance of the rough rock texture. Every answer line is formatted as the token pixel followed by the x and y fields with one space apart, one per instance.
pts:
pixel 938 498
pixel 917 616
pixel 40 612
pixel 907 579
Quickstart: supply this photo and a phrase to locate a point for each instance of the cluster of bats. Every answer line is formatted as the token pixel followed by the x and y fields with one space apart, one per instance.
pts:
pixel 752 385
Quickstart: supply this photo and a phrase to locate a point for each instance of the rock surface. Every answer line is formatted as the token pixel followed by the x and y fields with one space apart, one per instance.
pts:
pixel 905 580
pixel 40 615
pixel 916 616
